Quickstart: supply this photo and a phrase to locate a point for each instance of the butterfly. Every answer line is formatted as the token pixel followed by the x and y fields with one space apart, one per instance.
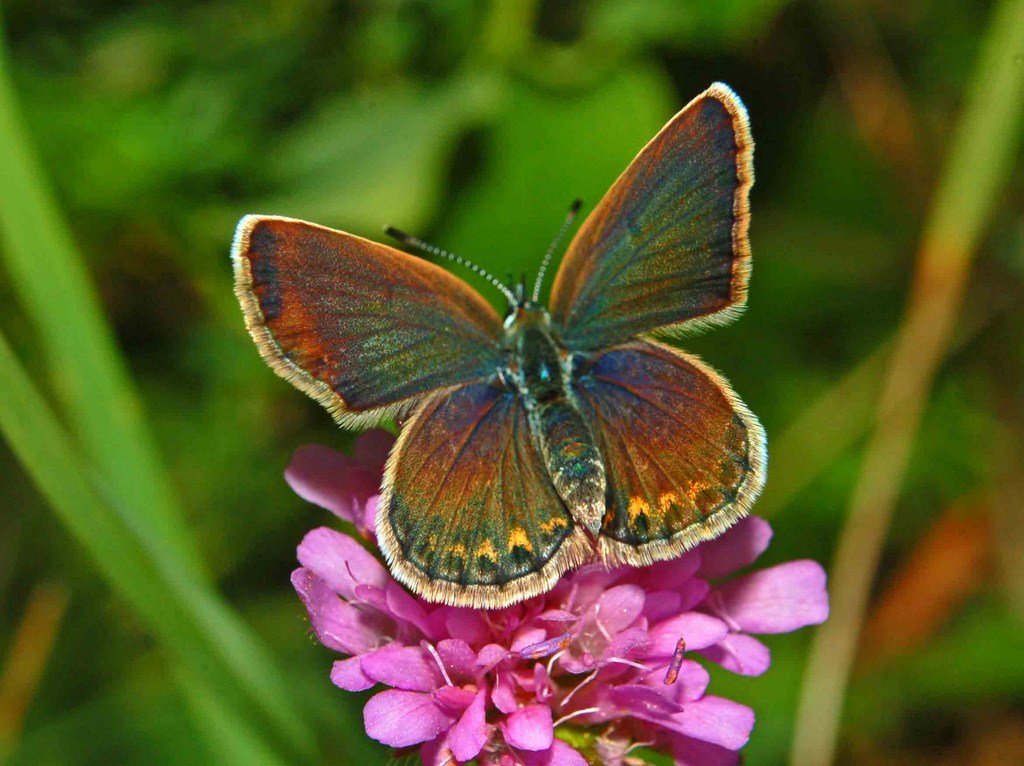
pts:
pixel 561 435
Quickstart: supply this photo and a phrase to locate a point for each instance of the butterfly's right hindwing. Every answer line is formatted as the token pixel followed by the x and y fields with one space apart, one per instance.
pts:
pixel 469 515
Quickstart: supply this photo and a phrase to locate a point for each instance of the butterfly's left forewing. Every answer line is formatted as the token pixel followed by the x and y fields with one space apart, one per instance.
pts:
pixel 468 515
pixel 683 455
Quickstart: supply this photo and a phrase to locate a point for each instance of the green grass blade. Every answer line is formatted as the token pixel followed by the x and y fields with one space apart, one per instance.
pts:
pixel 980 159
pixel 182 611
pixel 87 371
pixel 229 739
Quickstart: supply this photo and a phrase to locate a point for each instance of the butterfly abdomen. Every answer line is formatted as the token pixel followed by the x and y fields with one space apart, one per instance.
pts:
pixel 572 459
pixel 563 437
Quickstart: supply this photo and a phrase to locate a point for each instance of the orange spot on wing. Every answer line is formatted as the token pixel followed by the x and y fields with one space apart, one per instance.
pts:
pixel 637 507
pixel 695 488
pixel 666 502
pixel 486 550
pixel 555 522
pixel 517 537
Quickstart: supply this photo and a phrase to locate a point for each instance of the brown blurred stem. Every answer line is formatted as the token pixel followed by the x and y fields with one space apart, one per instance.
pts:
pixel 979 161
pixel 876 96
pixel 27 658
pixel 842 415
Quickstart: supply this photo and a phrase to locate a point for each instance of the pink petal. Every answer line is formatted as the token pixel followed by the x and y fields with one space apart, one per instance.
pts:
pixel 454 699
pixel 348 675
pixel 557 615
pixel 524 679
pixel 401 718
pixel 559 754
pixel 469 735
pixel 371 596
pixel 530 728
pixel 691 594
pixel 588 583
pixel 716 720
pixel 618 607
pixel 625 642
pixel 737 548
pixel 575 665
pixel 504 693
pixel 662 604
pixel 458 658
pixel 527 636
pixel 490 656
pixel 775 600
pixel 403 667
pixel 405 608
pixel 437 621
pixel 687 751
pixel 370 514
pixel 690 684
pixel 467 624
pixel 340 561
pixel 675 572
pixel 338 624
pixel 741 654
pixel 642 702
pixel 331 480
pixel 698 630
pixel 543 687
pixel 436 752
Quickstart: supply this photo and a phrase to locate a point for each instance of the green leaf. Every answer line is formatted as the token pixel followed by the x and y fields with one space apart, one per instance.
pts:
pixel 133 528
pixel 229 739
pixel 86 369
pixel 364 162
pixel 183 612
pixel 665 21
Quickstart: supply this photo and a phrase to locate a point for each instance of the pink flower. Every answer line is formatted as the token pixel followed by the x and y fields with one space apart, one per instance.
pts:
pixel 605 661
pixel 346 486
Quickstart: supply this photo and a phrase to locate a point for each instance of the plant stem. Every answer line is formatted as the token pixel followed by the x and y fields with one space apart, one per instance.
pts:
pixel 978 163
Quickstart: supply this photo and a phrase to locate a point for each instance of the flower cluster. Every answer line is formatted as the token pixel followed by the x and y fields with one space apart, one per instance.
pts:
pixel 603 664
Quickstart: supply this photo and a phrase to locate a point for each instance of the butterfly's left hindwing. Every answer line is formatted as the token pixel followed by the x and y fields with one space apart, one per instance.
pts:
pixel 469 515
pixel 683 455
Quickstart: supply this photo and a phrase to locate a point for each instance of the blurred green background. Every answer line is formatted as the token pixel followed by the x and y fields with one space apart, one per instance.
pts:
pixel 146 532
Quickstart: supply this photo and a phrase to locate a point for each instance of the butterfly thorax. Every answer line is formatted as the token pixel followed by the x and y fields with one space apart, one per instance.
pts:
pixel 541 370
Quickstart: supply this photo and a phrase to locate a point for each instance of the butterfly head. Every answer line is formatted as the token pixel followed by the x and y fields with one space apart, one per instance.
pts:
pixel 526 312
pixel 521 307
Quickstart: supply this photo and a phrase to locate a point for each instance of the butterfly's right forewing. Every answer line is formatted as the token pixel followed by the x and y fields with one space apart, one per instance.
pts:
pixel 363 328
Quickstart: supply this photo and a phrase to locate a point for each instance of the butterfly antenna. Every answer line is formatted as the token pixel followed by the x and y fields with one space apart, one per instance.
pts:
pixel 574 210
pixel 418 244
